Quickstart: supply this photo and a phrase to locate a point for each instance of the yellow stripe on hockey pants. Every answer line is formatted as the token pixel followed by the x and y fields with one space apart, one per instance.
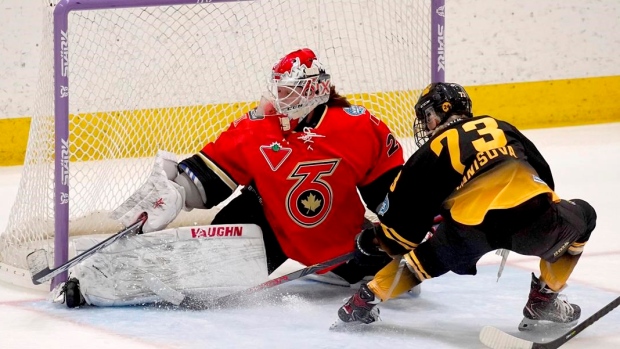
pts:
pixel 392 281
pixel 556 274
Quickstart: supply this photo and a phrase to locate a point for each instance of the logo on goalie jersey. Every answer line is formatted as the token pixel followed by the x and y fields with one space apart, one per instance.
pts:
pixel 310 199
pixel 275 154
pixel 354 110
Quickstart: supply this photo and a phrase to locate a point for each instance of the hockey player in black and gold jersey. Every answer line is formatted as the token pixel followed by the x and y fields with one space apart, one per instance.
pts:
pixel 494 190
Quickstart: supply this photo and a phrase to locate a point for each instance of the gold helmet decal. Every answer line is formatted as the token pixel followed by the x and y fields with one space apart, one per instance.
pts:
pixel 446 106
pixel 426 90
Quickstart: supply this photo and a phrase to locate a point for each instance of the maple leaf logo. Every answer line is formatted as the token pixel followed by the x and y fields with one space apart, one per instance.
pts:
pixel 312 203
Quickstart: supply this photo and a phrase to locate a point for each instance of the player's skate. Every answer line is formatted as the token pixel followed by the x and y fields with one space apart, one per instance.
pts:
pixel 545 307
pixel 71 294
pixel 359 309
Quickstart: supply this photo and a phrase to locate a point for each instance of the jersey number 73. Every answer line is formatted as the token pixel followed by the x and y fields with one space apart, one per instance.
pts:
pixel 488 136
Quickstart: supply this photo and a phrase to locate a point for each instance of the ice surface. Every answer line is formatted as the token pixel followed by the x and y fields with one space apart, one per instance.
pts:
pixel 448 314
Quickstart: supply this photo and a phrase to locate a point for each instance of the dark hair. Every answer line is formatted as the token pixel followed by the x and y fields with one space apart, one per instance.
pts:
pixel 336 99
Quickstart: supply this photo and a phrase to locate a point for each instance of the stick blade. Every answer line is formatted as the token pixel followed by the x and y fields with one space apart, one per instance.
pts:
pixel 498 339
pixel 37 264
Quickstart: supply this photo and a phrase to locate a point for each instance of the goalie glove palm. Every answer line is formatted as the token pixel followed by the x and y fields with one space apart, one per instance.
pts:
pixel 160 197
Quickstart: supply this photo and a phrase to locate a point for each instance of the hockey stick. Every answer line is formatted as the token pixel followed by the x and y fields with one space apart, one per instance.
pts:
pixel 39 267
pixel 498 339
pixel 195 304
pixel 162 290
pixel 504 253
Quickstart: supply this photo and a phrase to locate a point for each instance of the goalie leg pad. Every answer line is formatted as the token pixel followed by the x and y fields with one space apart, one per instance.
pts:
pixel 210 260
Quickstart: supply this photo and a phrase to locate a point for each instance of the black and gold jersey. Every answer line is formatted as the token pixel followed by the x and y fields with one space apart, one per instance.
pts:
pixel 472 166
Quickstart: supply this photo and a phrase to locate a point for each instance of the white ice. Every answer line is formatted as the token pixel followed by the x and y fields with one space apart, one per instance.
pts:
pixel 448 314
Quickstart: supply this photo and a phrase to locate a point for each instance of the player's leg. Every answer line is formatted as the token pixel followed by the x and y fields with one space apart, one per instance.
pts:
pixel 576 221
pixel 561 235
pixel 353 271
pixel 454 247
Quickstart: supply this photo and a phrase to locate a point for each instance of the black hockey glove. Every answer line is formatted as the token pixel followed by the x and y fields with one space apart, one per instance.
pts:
pixel 367 250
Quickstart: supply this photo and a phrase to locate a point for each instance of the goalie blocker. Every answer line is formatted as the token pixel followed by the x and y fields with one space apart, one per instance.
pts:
pixel 209 260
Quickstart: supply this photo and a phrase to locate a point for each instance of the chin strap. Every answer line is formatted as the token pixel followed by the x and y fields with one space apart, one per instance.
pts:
pixel 285 123
pixel 289 125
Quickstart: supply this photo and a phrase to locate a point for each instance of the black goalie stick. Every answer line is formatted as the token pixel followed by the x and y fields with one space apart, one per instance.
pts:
pixel 498 339
pixel 39 267
pixel 197 304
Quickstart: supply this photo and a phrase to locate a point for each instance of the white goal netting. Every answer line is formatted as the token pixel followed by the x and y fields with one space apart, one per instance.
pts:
pixel 173 77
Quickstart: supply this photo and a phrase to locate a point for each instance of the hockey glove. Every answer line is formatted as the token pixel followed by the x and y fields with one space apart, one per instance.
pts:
pixel 393 248
pixel 160 197
pixel 367 250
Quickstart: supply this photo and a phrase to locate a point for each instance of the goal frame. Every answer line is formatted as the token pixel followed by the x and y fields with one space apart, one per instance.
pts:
pixel 61 96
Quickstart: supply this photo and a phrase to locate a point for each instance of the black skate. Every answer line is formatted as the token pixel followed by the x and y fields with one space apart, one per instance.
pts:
pixel 544 307
pixel 72 295
pixel 360 308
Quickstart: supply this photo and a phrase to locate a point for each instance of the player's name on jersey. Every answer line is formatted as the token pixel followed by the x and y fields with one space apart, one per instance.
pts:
pixel 483 158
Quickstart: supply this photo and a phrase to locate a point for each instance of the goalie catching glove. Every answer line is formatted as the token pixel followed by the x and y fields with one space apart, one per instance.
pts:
pixel 160 197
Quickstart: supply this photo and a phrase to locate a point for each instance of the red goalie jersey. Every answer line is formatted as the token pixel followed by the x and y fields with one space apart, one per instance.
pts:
pixel 309 178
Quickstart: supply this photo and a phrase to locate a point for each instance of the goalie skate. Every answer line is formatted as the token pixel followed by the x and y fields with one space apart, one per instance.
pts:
pixel 71 295
pixel 547 308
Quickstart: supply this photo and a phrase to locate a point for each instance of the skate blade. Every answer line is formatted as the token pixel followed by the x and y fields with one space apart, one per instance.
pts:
pixel 544 325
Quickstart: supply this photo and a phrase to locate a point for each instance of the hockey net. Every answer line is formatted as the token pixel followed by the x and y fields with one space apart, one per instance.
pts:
pixel 173 77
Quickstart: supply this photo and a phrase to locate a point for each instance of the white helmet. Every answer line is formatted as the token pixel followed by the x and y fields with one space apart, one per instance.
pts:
pixel 299 84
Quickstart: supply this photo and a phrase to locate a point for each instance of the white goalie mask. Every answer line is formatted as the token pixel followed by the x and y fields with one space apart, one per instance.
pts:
pixel 298 84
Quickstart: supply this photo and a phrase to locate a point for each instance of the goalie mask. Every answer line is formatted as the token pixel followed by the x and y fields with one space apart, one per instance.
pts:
pixel 438 102
pixel 299 84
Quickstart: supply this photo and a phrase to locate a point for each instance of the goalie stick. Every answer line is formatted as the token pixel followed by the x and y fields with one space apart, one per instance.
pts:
pixel 196 304
pixel 162 290
pixel 498 339
pixel 39 266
